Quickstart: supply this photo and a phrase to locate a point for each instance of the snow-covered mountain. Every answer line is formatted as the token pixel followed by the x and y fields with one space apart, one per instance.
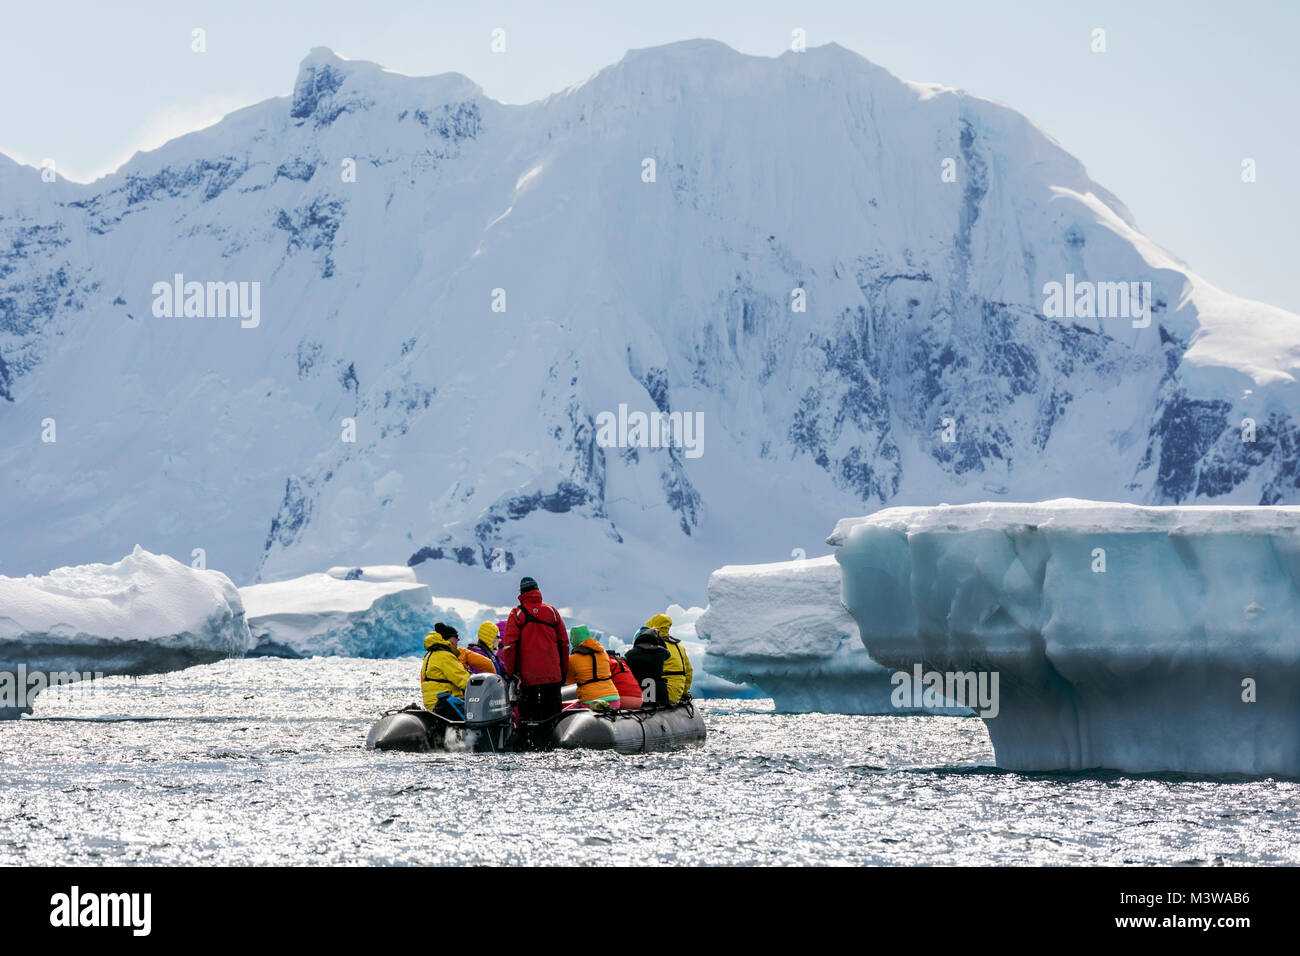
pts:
pixel 387 219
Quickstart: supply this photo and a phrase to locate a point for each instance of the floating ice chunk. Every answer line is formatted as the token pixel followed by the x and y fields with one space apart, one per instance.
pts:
pixel 781 627
pixel 375 573
pixel 466 615
pixel 377 611
pixel 146 614
pixel 1126 637
pixel 706 681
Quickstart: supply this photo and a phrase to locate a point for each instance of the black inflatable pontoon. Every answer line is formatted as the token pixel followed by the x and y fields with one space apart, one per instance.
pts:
pixel 631 731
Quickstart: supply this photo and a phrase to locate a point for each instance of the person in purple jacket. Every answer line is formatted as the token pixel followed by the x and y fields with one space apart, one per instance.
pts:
pixel 485 644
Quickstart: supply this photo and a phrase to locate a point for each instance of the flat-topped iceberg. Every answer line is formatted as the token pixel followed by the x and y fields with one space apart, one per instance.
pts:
pixel 380 611
pixel 1125 637
pixel 781 627
pixel 146 614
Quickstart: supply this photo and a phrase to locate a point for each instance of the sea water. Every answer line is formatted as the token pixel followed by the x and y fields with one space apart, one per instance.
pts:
pixel 261 761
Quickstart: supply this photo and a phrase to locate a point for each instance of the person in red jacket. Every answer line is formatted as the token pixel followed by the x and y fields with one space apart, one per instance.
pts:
pixel 535 650
pixel 629 691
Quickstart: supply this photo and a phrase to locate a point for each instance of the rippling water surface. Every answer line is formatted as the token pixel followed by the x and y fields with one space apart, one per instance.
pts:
pixel 261 761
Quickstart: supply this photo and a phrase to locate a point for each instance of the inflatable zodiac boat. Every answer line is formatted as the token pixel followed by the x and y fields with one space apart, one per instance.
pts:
pixel 489 727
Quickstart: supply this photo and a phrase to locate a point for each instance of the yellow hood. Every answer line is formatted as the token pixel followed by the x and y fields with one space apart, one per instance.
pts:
pixel 432 638
pixel 661 623
pixel 487 633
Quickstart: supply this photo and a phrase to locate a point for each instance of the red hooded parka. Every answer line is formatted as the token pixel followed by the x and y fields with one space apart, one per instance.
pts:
pixel 536 645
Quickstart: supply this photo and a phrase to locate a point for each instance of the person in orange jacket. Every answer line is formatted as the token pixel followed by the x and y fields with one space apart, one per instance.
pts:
pixel 589 669
pixel 629 690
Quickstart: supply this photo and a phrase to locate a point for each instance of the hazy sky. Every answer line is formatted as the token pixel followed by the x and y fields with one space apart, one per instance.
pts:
pixel 1184 92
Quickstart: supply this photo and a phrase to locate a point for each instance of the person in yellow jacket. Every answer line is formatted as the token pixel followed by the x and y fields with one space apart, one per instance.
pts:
pixel 589 669
pixel 677 668
pixel 446 668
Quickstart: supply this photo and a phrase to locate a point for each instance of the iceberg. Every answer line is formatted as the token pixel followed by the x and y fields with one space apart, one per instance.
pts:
pixel 378 611
pixel 466 615
pixel 705 680
pixel 781 628
pixel 1139 639
pixel 146 614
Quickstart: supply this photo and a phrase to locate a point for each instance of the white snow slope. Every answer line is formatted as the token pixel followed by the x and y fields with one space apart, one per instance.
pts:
pixel 146 614
pixel 476 430
pixel 1183 654
pixel 781 627
pixel 344 612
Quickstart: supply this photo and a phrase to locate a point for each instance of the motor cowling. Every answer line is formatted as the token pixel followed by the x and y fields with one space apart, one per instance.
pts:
pixel 487 701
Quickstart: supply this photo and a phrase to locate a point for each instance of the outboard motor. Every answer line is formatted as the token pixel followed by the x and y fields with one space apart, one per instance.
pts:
pixel 489 723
